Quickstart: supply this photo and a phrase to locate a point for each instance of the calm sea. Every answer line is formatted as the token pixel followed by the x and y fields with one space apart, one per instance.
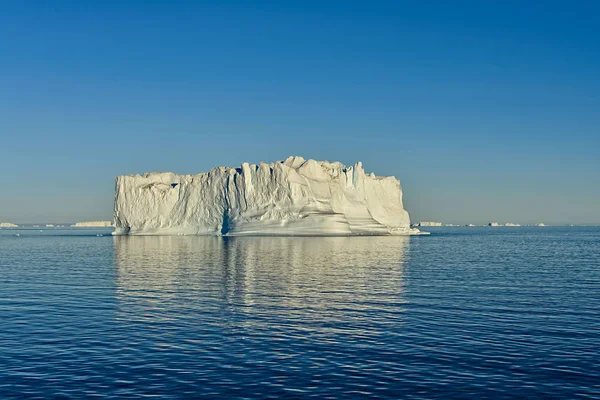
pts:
pixel 463 313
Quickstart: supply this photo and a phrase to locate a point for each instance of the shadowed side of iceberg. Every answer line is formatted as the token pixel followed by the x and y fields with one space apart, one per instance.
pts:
pixel 291 197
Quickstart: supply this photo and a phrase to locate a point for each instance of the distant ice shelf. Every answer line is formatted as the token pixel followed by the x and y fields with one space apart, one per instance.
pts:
pixel 93 224
pixel 291 197
pixel 428 223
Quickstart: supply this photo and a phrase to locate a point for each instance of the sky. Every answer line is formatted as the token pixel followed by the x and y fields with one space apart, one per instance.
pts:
pixel 485 110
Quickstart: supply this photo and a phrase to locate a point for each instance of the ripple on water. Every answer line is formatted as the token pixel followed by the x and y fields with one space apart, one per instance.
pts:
pixel 461 313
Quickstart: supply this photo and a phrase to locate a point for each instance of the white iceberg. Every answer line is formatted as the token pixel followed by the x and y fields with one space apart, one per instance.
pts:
pixel 429 223
pixel 291 197
pixel 8 225
pixel 92 224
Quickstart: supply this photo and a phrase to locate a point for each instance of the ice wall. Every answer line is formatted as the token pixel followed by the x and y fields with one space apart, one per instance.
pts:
pixel 291 197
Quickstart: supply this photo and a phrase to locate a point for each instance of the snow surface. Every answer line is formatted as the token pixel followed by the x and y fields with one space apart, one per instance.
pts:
pixel 291 197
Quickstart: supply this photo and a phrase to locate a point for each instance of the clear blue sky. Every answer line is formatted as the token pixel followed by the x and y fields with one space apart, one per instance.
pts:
pixel 485 110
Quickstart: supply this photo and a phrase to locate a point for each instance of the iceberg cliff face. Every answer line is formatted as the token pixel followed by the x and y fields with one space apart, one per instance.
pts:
pixel 291 197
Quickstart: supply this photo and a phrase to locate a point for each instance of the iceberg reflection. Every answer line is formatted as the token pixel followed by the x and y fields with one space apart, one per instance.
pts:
pixel 247 281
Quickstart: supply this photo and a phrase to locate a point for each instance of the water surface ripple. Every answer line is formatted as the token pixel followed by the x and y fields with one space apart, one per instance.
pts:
pixel 465 312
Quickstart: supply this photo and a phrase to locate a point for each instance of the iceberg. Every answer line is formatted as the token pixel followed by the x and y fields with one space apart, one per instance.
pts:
pixel 92 224
pixel 8 225
pixel 291 197
pixel 429 223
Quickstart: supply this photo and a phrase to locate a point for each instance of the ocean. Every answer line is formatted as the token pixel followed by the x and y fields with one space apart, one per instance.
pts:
pixel 463 313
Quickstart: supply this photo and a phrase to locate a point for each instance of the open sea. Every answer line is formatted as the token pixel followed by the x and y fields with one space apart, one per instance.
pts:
pixel 462 313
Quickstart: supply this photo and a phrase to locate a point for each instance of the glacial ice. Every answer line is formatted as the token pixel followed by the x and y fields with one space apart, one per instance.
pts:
pixel 429 223
pixel 92 224
pixel 291 197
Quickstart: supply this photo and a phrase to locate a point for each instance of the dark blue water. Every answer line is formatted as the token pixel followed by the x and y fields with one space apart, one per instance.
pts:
pixel 463 313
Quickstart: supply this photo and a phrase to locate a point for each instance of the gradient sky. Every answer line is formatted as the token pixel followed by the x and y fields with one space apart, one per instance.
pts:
pixel 485 110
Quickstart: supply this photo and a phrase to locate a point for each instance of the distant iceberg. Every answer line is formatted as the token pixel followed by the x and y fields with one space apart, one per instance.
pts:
pixel 93 224
pixel 8 225
pixel 291 197
pixel 429 223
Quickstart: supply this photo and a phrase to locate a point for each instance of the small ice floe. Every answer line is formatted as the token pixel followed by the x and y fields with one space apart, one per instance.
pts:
pixel 99 235
pixel 18 235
